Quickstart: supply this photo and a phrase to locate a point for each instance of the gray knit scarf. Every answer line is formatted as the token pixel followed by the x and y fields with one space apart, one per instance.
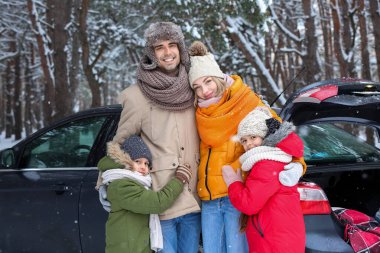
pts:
pixel 169 93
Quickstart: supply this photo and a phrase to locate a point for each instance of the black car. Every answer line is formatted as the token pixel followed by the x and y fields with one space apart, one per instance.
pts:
pixel 334 118
pixel 47 195
pixel 49 204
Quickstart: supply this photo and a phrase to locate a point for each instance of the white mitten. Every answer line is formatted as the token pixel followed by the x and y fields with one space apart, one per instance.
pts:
pixel 291 174
pixel 103 198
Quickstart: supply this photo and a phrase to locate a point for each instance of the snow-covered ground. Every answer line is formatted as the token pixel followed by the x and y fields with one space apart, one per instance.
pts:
pixel 6 143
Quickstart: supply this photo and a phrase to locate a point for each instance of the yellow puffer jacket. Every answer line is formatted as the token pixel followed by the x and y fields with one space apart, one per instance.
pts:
pixel 210 181
pixel 216 126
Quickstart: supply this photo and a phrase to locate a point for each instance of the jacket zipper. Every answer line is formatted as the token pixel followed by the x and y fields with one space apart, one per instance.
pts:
pixel 206 171
pixel 258 227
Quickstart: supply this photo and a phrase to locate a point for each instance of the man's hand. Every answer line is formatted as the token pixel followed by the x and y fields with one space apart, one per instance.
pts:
pixel 230 176
pixel 291 174
pixel 103 198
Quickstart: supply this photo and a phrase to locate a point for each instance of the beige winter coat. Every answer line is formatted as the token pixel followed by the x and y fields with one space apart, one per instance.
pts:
pixel 172 138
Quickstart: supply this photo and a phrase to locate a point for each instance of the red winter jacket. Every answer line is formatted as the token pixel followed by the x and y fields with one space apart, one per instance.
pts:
pixel 275 222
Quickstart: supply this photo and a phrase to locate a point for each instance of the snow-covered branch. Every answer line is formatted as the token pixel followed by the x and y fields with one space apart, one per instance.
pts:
pixel 292 50
pixel 282 27
pixel 231 26
pixel 8 56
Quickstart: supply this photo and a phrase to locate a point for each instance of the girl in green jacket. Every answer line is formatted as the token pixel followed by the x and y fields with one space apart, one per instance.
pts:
pixel 133 224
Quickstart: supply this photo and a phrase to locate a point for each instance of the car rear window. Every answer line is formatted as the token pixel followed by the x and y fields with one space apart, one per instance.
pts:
pixel 328 143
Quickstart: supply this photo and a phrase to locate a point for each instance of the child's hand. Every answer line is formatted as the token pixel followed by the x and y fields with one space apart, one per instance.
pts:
pixel 103 198
pixel 291 174
pixel 183 173
pixel 230 176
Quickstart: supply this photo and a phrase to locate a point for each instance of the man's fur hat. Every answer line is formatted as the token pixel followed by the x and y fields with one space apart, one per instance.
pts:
pixel 163 31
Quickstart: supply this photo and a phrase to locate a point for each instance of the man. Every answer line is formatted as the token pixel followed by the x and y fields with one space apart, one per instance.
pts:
pixel 160 109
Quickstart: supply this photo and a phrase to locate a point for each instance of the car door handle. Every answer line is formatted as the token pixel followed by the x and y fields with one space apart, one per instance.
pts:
pixel 60 188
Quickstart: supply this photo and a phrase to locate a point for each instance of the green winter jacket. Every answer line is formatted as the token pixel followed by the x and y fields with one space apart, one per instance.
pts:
pixel 127 227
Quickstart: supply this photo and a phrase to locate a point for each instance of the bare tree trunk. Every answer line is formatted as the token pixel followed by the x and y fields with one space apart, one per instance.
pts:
pixel 338 50
pixel 9 101
pixel 28 118
pixel 373 9
pixel 59 16
pixel 9 120
pixel 327 42
pixel 87 66
pixel 48 101
pixel 366 69
pixel 348 35
pixel 278 61
pixel 269 50
pixel 310 59
pixel 18 126
pixel 74 66
pixel 37 106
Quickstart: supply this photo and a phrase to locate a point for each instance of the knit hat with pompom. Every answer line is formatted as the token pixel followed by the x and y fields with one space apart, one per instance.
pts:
pixel 202 63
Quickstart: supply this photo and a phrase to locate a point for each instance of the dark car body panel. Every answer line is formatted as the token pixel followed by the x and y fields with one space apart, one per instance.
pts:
pixel 44 195
pixel 92 217
pixel 55 209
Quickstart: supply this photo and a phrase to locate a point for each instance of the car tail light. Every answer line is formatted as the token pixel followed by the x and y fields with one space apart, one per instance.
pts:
pixel 317 95
pixel 313 199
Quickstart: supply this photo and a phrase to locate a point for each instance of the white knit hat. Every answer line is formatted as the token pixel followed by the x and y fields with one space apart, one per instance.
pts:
pixel 202 63
pixel 254 123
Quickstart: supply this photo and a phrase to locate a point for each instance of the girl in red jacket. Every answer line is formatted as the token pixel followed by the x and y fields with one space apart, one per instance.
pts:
pixel 275 220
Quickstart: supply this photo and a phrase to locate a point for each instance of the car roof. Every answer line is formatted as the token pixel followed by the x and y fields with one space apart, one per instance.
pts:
pixel 345 99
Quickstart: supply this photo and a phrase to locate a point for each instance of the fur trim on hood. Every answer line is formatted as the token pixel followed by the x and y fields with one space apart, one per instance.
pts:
pixel 118 155
pixel 284 130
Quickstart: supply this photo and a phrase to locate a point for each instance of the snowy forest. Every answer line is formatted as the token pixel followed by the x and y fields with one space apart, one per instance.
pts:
pixel 58 57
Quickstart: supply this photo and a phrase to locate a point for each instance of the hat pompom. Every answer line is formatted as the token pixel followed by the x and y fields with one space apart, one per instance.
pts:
pixel 197 48
pixel 235 138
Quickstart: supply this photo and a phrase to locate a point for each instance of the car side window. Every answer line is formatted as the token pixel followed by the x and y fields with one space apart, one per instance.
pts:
pixel 65 146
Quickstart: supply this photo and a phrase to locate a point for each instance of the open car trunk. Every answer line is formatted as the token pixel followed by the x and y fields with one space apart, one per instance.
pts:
pixel 350 186
pixel 339 122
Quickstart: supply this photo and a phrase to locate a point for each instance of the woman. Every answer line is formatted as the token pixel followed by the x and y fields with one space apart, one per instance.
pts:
pixel 222 102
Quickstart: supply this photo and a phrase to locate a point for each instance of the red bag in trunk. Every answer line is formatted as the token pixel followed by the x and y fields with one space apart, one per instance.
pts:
pixel 361 231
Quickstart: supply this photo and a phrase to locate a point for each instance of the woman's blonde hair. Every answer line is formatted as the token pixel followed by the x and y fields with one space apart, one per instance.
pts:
pixel 221 87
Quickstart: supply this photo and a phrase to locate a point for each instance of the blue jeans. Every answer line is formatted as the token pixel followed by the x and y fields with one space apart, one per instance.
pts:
pixel 181 234
pixel 220 227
